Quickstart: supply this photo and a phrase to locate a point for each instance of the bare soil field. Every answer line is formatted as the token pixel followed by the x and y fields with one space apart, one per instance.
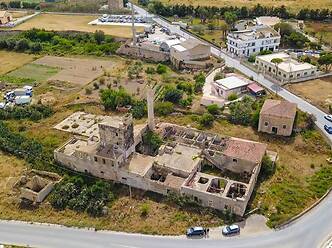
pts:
pixel 73 22
pixel 10 61
pixel 292 4
pixel 318 91
pixel 322 31
pixel 75 70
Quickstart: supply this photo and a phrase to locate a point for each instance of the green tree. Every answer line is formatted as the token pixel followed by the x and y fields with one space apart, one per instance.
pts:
pixel 206 120
pixel 199 82
pixel 161 69
pixel 241 112
pixel 172 94
pixel 22 45
pixel 152 140
pixel 276 62
pixel 325 61
pixel 230 18
pixel 99 36
pixel 111 99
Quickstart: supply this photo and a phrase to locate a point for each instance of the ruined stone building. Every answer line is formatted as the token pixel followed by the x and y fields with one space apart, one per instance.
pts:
pixel 183 164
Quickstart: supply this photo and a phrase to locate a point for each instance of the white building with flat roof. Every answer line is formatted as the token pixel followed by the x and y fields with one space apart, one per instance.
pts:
pixel 286 71
pixel 252 41
pixel 229 85
pixel 217 92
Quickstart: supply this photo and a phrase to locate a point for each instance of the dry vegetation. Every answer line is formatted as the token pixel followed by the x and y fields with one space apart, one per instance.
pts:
pixel 292 4
pixel 10 61
pixel 322 31
pixel 318 91
pixel 73 22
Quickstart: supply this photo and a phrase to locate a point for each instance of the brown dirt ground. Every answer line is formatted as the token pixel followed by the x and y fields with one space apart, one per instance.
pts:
pixel 10 61
pixel 75 70
pixel 73 22
pixel 318 91
pixel 294 5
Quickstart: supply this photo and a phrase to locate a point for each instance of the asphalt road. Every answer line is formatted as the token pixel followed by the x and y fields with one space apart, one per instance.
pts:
pixel 233 62
pixel 310 231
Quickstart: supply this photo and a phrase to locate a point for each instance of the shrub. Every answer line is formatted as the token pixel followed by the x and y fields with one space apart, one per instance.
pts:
pixel 152 140
pixel 88 91
pixel 206 120
pixel 164 108
pixel 213 109
pixel 161 69
pixel 199 82
pixel 145 208
pixel 267 167
pixel 172 94
pixel 186 86
pixel 150 70
pixel 232 97
pixel 139 109
pixel 252 58
pixel 96 85
pixel 99 36
pixel 111 99
pixel 241 112
pixel 218 76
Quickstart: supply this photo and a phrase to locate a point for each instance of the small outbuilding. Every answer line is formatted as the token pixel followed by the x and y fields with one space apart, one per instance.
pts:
pixel 5 17
pixel 277 117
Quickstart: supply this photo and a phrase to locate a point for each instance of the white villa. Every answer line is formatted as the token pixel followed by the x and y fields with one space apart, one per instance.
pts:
pixel 288 70
pixel 251 41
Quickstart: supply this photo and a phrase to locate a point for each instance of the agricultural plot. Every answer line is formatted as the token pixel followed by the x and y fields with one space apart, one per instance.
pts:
pixel 74 70
pixel 10 61
pixel 293 5
pixel 322 31
pixel 318 91
pixel 40 73
pixel 73 22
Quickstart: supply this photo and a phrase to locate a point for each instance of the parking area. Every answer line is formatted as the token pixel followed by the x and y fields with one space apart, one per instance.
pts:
pixel 120 20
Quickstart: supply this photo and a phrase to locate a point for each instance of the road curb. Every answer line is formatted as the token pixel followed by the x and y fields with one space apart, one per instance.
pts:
pixel 295 218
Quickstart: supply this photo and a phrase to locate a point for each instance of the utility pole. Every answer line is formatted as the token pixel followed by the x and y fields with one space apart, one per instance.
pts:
pixel 133 23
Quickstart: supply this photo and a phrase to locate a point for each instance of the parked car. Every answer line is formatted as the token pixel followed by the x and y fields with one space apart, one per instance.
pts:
pixel 195 231
pixel 232 229
pixel 328 129
pixel 328 117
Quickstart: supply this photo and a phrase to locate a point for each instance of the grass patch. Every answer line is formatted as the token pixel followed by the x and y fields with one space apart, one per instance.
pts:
pixel 10 61
pixel 40 73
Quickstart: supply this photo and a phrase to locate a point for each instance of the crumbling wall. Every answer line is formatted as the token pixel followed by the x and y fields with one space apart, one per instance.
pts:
pixel 143 53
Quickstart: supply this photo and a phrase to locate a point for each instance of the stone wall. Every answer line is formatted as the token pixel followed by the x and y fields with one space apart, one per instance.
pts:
pixel 143 53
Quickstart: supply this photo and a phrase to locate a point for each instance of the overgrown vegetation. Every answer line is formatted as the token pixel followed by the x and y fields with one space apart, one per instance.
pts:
pixel 209 12
pixel 28 149
pixel 152 141
pixel 59 43
pixel 32 112
pixel 79 195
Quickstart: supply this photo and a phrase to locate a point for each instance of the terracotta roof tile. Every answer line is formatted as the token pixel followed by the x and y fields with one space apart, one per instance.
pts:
pixel 279 108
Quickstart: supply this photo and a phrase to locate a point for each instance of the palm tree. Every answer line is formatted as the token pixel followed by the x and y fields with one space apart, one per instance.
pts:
pixel 276 62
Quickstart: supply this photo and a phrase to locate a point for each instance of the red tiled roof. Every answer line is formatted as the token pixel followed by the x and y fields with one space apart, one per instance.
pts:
pixel 279 108
pixel 245 149
pixel 255 87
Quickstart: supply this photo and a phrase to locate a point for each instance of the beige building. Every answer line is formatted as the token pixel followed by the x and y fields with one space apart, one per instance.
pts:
pixel 277 117
pixel 110 148
pixel 5 17
pixel 190 53
pixel 287 70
